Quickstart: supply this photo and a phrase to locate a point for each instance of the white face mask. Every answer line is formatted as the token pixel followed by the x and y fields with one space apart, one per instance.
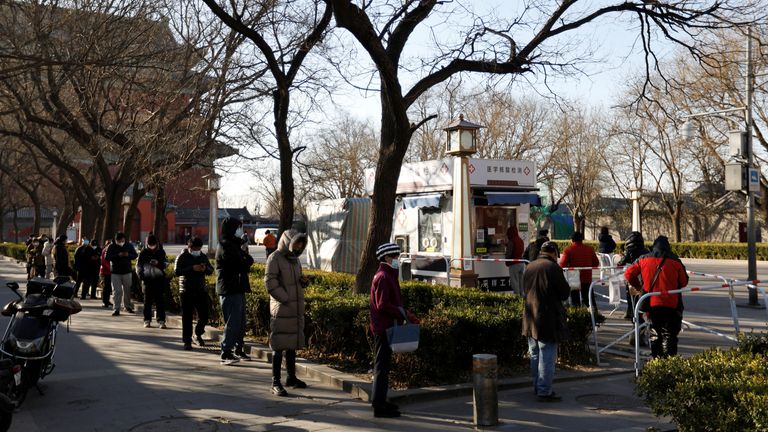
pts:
pixel 153 247
pixel 196 253
pixel 86 242
pixel 120 243
pixel 239 232
pixel 395 263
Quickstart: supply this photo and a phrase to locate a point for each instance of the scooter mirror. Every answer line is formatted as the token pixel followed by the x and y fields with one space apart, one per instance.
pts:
pixel 13 286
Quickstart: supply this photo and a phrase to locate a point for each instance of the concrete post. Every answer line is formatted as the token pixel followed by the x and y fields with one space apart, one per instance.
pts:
pixel 485 396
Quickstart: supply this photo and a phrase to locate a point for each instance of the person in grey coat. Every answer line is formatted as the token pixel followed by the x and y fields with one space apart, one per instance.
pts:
pixel 286 284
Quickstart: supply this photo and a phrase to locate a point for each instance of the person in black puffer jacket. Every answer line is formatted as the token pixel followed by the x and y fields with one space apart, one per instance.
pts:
pixel 634 248
pixel 151 269
pixel 61 257
pixel 233 263
pixel 607 245
pixel 531 252
pixel 192 266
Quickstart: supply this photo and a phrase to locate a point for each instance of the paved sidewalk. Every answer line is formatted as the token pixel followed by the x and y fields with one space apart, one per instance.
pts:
pixel 114 375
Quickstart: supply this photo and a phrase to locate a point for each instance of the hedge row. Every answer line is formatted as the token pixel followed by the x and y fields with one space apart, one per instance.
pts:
pixel 697 250
pixel 712 391
pixel 456 323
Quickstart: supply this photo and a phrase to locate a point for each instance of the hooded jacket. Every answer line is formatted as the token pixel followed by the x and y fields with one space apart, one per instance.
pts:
pixel 607 244
pixel 61 257
pixel 672 276
pixel 189 279
pixel 634 248
pixel 545 290
pixel 515 246
pixel 286 303
pixel 232 263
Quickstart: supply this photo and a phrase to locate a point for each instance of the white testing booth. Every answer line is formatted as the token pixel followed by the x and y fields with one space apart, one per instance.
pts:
pixel 501 193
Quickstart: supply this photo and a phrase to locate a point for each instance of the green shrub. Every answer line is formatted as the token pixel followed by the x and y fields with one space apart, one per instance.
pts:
pixel 712 391
pixel 755 343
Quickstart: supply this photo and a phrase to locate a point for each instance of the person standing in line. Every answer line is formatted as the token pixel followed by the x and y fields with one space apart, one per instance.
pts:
pixel 61 257
pixel 83 255
pixel 532 250
pixel 544 318
pixel 151 269
pixel 580 255
pixel 48 254
pixel 106 277
pixel 120 254
pixel 192 266
pixel 386 309
pixel 270 242
pixel 286 285
pixel 515 249
pixel 94 265
pixel 233 265
pixel 28 244
pixel 35 259
pixel 661 271
pixel 606 245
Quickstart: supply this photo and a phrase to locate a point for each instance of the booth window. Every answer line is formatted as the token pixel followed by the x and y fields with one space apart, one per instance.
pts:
pixel 492 225
pixel 430 230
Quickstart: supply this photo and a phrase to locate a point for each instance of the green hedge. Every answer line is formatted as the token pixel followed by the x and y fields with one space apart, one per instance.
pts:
pixel 712 391
pixel 696 250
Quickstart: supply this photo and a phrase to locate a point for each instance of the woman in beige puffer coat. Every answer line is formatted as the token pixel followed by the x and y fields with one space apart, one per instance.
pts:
pixel 286 284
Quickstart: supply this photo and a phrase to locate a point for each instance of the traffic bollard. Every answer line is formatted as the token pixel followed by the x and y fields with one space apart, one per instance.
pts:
pixel 485 396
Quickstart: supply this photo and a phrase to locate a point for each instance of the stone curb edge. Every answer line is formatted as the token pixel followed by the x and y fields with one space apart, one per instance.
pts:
pixel 361 389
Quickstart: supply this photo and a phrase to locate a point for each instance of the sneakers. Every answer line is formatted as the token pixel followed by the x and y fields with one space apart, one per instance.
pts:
pixel 240 354
pixel 199 340
pixel 227 358
pixel 295 383
pixel 162 324
pixel 278 390
pixel 129 310
pixel 187 346
pixel 116 313
pixel 147 324
pixel 552 397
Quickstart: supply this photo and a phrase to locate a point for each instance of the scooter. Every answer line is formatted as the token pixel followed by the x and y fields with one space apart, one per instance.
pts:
pixel 29 342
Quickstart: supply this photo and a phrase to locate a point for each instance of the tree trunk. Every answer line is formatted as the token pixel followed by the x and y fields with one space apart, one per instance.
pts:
pixel 88 221
pixel 2 224
pixel 160 226
pixel 677 220
pixel 282 101
pixel 136 197
pixel 394 143
pixel 36 223
pixel 113 209
pixel 15 224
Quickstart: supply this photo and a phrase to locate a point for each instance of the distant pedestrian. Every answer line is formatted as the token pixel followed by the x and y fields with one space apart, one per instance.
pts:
pixel 532 250
pixel 661 271
pixel 151 269
pixel 192 266
pixel 82 267
pixel 28 243
pixel 286 285
pixel 233 265
pixel 106 277
pixel 634 248
pixel 270 242
pixel 120 254
pixel 35 259
pixel 246 238
pixel 48 254
pixel 580 255
pixel 544 318
pixel 606 243
pixel 386 309
pixel 515 250
pixel 94 265
pixel 61 257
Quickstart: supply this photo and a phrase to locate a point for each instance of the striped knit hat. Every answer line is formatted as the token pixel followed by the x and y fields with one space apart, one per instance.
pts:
pixel 387 249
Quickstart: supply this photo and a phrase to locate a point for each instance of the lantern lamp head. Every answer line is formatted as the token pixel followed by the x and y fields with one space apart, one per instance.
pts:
pixel 462 137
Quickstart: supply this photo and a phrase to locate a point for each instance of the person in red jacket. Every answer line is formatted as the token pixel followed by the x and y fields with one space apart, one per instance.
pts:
pixel 515 249
pixel 661 271
pixel 580 255
pixel 386 308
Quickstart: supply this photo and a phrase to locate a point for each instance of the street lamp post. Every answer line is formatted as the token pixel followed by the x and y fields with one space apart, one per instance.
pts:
pixel 212 182
pixel 55 224
pixel 748 157
pixel 637 224
pixel 126 207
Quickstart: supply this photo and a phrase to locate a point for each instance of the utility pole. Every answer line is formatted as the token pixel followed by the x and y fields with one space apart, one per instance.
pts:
pixel 751 235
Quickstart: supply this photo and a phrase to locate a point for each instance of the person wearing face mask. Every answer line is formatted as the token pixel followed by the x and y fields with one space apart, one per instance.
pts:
pixel 151 269
pixel 386 309
pixel 286 284
pixel 35 259
pixel 82 266
pixel 48 254
pixel 94 265
pixel 120 254
pixel 233 265
pixel 192 266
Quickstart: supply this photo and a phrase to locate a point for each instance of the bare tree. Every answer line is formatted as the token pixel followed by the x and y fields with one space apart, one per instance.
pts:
pixel 490 47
